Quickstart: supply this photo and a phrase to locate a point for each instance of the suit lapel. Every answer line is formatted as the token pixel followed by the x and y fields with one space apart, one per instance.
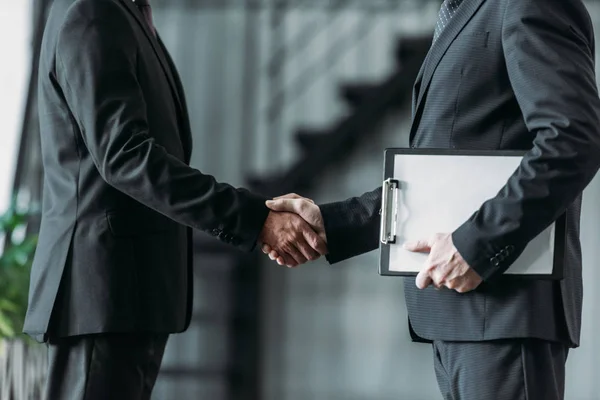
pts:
pixel 439 48
pixel 417 87
pixel 186 136
pixel 130 5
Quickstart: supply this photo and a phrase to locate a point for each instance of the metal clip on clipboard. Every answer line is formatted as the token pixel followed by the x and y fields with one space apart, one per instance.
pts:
pixel 389 211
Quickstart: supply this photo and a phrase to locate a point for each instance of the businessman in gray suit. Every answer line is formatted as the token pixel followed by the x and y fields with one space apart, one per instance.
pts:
pixel 500 74
pixel 112 275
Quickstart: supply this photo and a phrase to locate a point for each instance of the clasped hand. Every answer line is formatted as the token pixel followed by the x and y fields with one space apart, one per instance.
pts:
pixel 293 232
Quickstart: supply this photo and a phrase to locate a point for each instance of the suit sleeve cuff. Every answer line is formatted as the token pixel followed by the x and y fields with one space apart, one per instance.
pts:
pixel 334 232
pixel 347 237
pixel 253 216
pixel 480 256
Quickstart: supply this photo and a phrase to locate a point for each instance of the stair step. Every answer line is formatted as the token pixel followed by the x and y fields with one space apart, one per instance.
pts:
pixel 412 47
pixel 356 94
pixel 323 147
pixel 309 139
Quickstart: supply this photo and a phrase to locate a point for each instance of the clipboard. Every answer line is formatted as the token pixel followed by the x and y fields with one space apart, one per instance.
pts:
pixel 433 191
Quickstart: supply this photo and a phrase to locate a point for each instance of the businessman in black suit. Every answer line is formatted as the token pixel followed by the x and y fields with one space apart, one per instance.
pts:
pixel 501 74
pixel 112 275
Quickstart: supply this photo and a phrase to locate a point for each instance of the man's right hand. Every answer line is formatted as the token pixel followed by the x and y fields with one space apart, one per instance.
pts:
pixel 305 208
pixel 292 238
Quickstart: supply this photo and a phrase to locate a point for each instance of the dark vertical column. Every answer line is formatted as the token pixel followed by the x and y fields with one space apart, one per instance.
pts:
pixel 244 342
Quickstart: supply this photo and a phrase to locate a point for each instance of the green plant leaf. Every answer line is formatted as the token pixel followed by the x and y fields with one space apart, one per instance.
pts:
pixel 6 329
pixel 7 305
pixel 16 256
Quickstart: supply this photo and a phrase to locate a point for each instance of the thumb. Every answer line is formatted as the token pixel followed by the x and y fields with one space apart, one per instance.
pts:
pixel 293 196
pixel 421 246
pixel 283 205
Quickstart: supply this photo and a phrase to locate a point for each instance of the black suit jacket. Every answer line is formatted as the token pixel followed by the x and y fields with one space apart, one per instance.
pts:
pixel 504 74
pixel 114 251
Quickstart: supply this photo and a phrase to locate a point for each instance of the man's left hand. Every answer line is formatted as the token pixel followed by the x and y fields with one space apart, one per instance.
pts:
pixel 444 266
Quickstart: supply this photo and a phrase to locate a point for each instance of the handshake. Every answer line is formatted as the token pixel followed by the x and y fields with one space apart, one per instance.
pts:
pixel 294 232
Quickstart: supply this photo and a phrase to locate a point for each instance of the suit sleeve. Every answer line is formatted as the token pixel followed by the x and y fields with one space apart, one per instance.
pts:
pixel 352 226
pixel 96 69
pixel 549 52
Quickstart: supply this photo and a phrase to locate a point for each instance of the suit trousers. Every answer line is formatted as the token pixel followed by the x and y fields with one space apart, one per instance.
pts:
pixel 518 369
pixel 104 366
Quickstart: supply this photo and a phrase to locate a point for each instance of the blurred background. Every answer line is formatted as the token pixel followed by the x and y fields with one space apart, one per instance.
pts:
pixel 285 96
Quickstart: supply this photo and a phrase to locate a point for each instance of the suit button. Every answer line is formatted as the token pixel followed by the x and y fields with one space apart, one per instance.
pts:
pixel 215 232
pixel 495 261
pixel 504 253
pixel 510 248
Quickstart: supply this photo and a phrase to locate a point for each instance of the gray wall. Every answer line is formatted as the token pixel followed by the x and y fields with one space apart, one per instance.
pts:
pixel 330 332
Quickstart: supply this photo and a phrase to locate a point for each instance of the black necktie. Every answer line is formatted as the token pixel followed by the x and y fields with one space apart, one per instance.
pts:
pixel 447 11
pixel 146 10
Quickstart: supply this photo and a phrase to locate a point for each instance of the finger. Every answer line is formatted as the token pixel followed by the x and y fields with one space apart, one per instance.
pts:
pixel 419 246
pixel 423 280
pixel 288 196
pixel 306 249
pixel 316 242
pixel 284 253
pixel 452 284
pixel 438 276
pixel 293 196
pixel 294 253
pixel 464 284
pixel 468 283
pixel 287 205
pixel 464 289
pixel 425 276
pixel 266 248
pixel 289 262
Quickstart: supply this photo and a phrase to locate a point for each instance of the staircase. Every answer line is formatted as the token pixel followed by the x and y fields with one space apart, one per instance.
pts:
pixel 370 103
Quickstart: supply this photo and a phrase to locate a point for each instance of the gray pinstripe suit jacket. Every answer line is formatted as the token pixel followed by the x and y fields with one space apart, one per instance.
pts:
pixel 505 74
